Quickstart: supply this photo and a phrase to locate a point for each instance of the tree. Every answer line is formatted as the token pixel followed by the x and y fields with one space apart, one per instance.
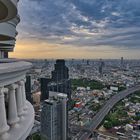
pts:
pixel 108 125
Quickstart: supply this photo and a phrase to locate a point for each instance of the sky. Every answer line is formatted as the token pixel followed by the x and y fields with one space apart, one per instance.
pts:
pixel 78 29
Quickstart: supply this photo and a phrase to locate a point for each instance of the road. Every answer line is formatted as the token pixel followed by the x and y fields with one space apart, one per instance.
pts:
pixel 98 118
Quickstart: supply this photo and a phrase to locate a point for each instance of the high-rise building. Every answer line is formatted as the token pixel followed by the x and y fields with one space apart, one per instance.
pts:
pixel 60 72
pixel 44 88
pixel 28 89
pixel 122 62
pixel 60 79
pixel 63 87
pixel 54 118
pixel 101 66
pixel 16 113
pixel 88 62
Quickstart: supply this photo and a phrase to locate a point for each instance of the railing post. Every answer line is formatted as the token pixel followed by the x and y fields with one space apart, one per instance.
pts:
pixel 19 99
pixel 12 106
pixel 24 95
pixel 3 121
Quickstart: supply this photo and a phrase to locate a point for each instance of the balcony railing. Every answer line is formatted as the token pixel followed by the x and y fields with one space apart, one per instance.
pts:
pixel 8 9
pixel 16 113
pixel 8 29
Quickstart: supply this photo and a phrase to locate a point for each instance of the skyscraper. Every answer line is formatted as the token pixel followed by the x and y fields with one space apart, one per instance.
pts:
pixel 122 62
pixel 28 89
pixel 63 87
pixel 54 118
pixel 60 72
pixel 60 79
pixel 59 82
pixel 44 88
pixel 101 66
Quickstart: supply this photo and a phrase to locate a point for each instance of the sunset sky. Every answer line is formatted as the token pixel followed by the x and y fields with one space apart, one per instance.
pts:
pixel 78 29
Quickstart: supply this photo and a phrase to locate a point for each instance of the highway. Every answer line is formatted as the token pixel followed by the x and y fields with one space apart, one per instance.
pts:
pixel 98 118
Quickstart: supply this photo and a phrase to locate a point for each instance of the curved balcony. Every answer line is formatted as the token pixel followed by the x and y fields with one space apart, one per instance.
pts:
pixel 8 9
pixel 17 114
pixel 7 43
pixel 8 29
pixel 6 49
pixel 7 46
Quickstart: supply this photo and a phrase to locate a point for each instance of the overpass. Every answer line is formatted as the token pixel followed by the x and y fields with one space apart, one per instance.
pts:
pixel 98 118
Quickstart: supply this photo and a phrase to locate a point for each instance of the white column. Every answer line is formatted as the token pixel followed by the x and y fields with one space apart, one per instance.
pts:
pixel 19 99
pixel 24 95
pixel 3 121
pixel 12 106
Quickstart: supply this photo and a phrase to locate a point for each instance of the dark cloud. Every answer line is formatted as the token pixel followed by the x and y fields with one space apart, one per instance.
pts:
pixel 82 22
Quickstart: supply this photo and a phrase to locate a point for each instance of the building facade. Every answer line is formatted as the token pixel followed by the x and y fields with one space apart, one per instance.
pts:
pixel 44 88
pixel 28 89
pixel 16 113
pixel 62 86
pixel 60 72
pixel 54 118
pixel 59 82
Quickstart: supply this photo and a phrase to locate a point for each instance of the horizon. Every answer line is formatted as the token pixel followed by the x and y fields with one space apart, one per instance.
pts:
pixel 94 59
pixel 79 29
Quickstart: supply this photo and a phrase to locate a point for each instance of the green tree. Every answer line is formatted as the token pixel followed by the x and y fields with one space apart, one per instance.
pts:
pixel 107 125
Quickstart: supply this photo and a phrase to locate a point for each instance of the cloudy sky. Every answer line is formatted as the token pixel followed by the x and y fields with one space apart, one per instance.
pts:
pixel 78 29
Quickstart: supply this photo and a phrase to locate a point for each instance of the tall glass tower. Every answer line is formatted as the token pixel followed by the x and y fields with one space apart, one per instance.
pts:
pixel 54 118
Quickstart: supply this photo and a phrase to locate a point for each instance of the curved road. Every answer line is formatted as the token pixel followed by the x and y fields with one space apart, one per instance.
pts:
pixel 98 118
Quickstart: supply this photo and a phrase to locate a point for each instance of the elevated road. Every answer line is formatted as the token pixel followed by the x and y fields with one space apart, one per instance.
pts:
pixel 98 118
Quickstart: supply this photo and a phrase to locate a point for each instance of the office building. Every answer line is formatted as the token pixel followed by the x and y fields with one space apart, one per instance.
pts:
pixel 60 79
pixel 101 66
pixel 16 113
pixel 28 89
pixel 54 114
pixel 122 62
pixel 44 88
pixel 59 82
pixel 63 87
pixel 60 72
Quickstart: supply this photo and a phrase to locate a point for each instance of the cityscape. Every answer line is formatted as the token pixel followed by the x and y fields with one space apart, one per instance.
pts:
pixel 103 101
pixel 72 73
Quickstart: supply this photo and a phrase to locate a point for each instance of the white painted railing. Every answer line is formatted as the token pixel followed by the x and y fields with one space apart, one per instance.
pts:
pixel 8 9
pixel 16 113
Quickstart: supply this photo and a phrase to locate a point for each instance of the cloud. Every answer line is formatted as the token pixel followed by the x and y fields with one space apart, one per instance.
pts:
pixel 90 23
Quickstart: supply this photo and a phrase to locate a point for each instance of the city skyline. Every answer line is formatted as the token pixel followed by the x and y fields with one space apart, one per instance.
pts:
pixel 80 83
pixel 78 29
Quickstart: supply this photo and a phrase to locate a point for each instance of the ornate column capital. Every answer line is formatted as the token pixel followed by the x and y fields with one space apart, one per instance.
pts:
pixel 20 83
pixel 23 80
pixel 3 90
pixel 12 86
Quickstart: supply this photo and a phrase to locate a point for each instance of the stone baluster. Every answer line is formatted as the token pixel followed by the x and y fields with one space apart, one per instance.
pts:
pixel 19 99
pixel 12 106
pixel 3 121
pixel 24 95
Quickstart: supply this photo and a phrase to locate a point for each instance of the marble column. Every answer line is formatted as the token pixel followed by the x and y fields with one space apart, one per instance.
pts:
pixel 3 121
pixel 24 95
pixel 12 106
pixel 19 99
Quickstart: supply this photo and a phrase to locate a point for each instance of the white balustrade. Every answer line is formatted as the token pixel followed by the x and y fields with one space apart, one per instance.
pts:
pixel 24 95
pixel 16 113
pixel 19 99
pixel 3 121
pixel 12 106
